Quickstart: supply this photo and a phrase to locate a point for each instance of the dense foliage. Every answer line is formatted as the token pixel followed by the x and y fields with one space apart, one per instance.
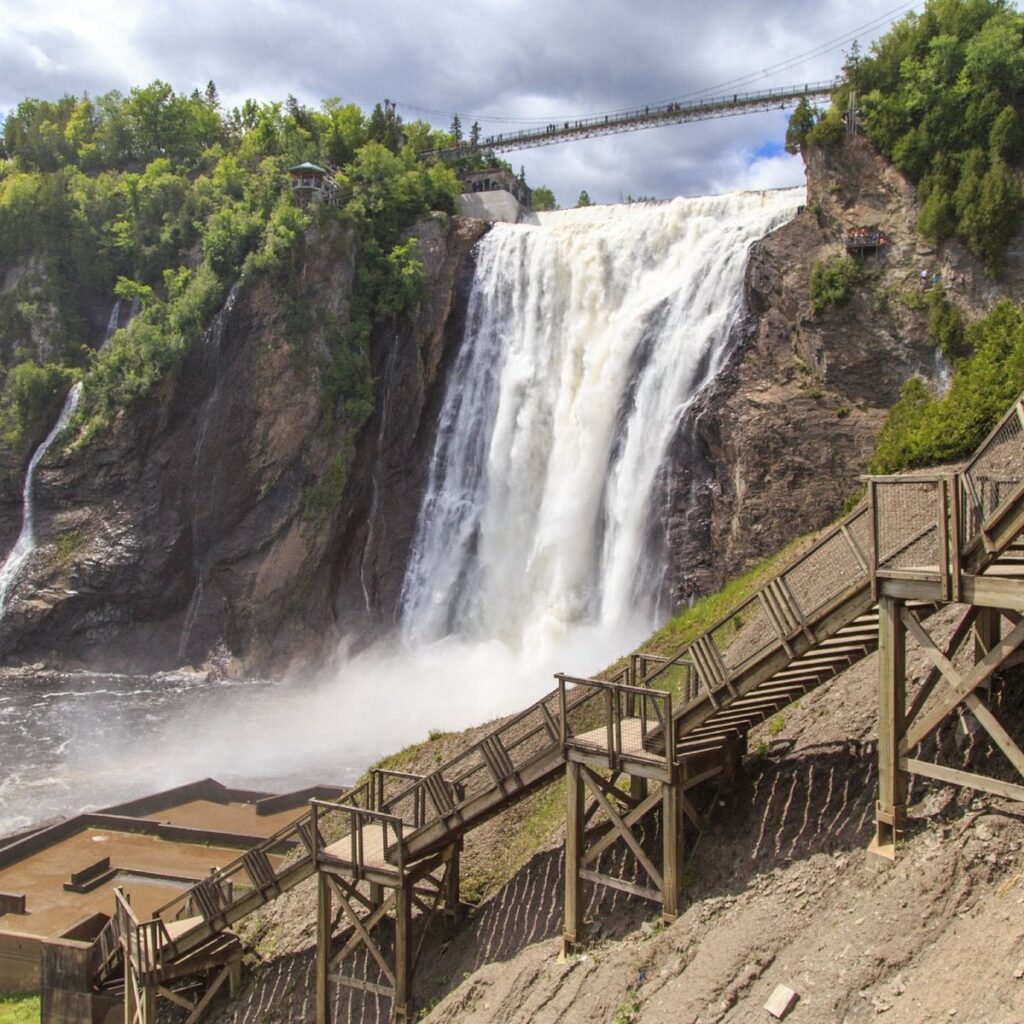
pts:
pixel 168 199
pixel 832 280
pixel 923 430
pixel 941 94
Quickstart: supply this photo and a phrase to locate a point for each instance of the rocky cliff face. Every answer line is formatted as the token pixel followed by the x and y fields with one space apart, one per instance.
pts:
pixel 186 532
pixel 776 445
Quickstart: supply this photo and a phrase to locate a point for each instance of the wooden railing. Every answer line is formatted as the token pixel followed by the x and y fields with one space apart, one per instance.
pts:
pixel 623 722
pixel 142 941
pixel 914 527
pixel 360 827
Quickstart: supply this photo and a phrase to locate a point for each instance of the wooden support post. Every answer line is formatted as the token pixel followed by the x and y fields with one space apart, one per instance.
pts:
pixel 986 636
pixel 403 953
pixel 323 948
pixel 892 705
pixel 573 856
pixel 674 847
pixel 376 894
pixel 130 1006
pixel 637 788
pixel 147 1006
pixel 452 907
pixel 733 757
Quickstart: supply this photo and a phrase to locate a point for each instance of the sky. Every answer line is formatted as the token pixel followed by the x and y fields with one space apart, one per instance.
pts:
pixel 506 63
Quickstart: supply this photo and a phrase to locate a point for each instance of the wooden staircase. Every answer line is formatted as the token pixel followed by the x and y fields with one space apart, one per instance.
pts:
pixel 922 540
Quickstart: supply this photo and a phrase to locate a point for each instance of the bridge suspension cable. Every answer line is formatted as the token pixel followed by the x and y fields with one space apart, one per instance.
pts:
pixel 828 46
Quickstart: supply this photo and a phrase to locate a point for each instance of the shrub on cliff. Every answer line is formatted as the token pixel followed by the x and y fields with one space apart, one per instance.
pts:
pixel 30 400
pixel 170 199
pixel 832 281
pixel 922 430
pixel 940 95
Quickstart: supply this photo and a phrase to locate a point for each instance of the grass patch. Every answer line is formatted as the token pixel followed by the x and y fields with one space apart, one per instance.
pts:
pixel 19 1009
pixel 705 612
pixel 67 544
pixel 544 816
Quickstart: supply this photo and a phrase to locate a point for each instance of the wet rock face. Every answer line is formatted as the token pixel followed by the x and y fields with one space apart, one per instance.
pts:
pixel 182 531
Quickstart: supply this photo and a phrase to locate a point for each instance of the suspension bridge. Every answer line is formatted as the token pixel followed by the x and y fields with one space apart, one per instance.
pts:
pixel 651 116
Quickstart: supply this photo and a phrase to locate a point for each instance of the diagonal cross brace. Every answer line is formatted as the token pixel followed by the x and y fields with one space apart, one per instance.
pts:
pixel 362 928
pixel 623 830
pixel 963 688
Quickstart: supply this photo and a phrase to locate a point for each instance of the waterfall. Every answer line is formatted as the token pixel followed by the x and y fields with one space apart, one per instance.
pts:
pixel 589 332
pixel 26 542
pixel 212 344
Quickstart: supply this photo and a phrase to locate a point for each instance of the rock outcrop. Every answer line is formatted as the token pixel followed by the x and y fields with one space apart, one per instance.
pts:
pixel 185 531
pixel 775 446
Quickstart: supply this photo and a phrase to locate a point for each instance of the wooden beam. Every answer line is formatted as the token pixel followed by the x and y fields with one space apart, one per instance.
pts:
pixel 200 1007
pixel 573 855
pixel 955 777
pixel 892 780
pixel 365 937
pixel 622 885
pixel 674 803
pixel 935 673
pixel 609 837
pixel 623 830
pixel 402 977
pixel 323 948
pixel 363 986
pixel 989 664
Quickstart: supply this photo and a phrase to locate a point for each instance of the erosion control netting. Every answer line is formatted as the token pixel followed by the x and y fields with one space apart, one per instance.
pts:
pixel 908 515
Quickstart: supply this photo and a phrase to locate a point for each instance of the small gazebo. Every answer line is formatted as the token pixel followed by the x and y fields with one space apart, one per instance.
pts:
pixel 311 183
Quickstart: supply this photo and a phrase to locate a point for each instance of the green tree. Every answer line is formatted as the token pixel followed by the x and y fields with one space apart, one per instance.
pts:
pixel 801 121
pixel 583 200
pixel 543 199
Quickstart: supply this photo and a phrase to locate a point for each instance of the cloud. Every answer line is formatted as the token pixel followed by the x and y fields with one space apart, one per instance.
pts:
pixel 497 60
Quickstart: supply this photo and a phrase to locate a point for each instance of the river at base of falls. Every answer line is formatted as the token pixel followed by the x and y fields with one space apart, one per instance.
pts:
pixel 80 741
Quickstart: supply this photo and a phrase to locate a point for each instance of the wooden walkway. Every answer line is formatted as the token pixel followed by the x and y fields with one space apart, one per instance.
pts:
pixel 390 847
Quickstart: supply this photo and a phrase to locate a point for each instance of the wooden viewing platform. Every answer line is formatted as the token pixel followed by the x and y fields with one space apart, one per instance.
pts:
pixel 648 739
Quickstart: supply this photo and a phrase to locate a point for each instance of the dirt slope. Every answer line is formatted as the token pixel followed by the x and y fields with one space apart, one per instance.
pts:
pixel 780 893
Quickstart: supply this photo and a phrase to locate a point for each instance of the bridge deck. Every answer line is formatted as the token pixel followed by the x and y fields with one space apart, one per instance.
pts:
pixel 652 116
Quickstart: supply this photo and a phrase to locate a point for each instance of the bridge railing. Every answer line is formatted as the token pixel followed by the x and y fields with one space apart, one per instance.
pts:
pixel 992 472
pixel 261 868
pixel 668 112
pixel 491 764
pixel 910 518
pixel 358 837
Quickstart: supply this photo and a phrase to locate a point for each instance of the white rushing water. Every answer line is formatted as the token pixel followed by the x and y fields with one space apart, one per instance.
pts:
pixel 589 332
pixel 26 542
